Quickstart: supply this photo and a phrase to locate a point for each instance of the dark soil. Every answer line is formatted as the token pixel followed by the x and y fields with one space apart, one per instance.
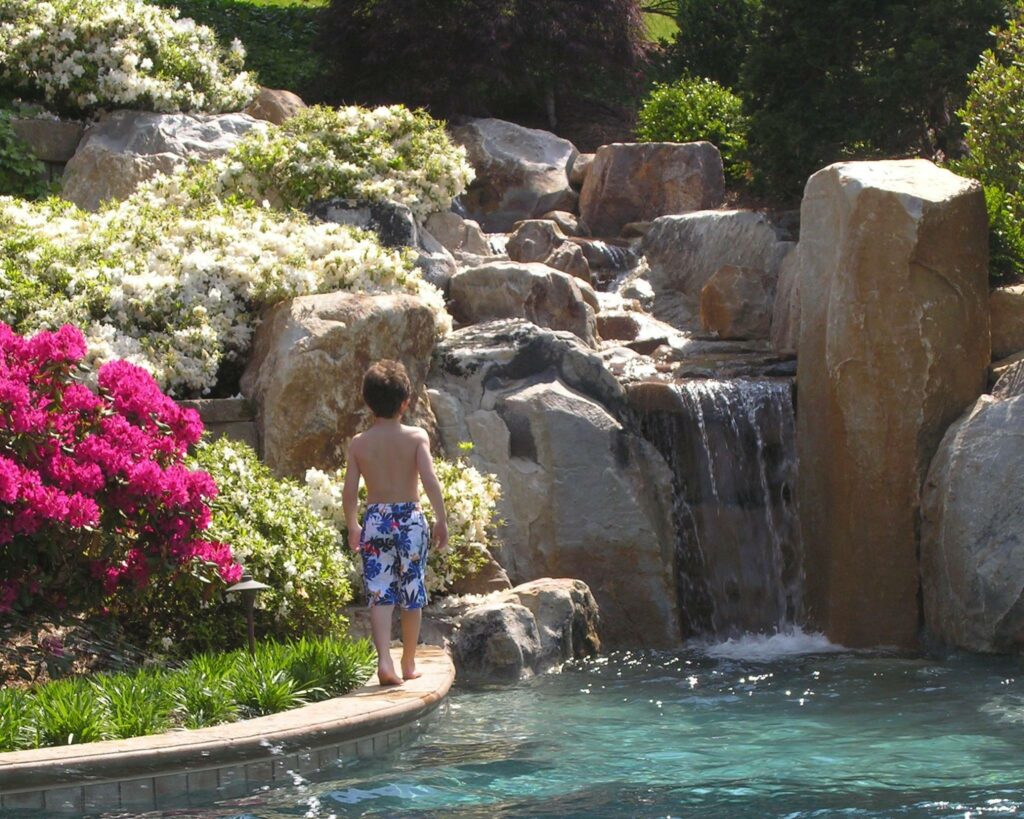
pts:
pixel 39 648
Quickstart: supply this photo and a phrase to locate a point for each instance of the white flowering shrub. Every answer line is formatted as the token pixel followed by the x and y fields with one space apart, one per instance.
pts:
pixel 278 538
pixel 470 500
pixel 80 55
pixel 175 287
pixel 387 153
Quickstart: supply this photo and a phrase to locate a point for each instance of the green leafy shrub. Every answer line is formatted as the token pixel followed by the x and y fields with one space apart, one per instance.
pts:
pixel 695 109
pixel 841 79
pixel 281 541
pixel 21 174
pixel 81 55
pixel 995 149
pixel 279 39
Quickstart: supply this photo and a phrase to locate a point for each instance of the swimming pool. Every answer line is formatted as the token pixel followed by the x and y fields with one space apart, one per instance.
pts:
pixel 787 727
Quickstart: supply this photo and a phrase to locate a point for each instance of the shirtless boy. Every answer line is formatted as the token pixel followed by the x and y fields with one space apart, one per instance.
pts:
pixel 390 457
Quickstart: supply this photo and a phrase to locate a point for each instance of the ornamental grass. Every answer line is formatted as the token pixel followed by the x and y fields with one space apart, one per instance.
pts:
pixel 209 689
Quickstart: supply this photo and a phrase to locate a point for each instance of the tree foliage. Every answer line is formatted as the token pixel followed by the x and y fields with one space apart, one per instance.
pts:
pixel 827 80
pixel 714 37
pixel 992 116
pixel 479 56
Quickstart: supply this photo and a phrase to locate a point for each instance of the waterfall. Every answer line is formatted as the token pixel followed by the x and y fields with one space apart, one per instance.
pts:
pixel 732 450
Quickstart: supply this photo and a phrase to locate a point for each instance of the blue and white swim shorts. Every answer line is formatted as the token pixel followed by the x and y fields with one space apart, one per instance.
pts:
pixel 394 545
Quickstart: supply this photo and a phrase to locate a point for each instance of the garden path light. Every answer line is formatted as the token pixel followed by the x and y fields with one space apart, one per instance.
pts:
pixel 249 588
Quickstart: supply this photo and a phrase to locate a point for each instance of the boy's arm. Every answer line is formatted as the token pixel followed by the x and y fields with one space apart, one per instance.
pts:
pixel 350 497
pixel 432 487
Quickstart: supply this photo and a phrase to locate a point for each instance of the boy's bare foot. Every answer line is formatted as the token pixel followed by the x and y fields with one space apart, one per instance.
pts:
pixel 409 671
pixel 388 677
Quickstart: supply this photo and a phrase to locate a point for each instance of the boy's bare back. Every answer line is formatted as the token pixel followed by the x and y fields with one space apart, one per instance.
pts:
pixel 389 458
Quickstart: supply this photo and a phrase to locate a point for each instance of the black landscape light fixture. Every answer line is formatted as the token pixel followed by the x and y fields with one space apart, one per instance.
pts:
pixel 249 588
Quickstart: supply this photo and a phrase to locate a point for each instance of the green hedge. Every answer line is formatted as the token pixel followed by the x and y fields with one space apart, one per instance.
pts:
pixel 278 36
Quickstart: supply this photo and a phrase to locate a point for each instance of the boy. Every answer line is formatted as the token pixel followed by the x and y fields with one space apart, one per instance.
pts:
pixel 393 538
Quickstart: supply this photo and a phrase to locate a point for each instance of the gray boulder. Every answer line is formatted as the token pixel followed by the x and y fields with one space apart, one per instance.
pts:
pixel 51 140
pixel 684 252
pixel 393 223
pixel 525 631
pixel 126 148
pixel 496 642
pixel 583 495
pixel 520 172
pixel 972 540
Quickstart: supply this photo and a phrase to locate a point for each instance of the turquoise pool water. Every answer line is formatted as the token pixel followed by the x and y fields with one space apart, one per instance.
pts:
pixel 754 728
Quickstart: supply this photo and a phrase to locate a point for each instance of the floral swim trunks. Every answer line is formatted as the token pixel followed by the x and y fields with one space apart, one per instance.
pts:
pixel 393 544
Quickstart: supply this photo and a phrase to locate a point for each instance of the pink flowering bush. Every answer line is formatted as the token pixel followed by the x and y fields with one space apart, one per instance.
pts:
pixel 97 507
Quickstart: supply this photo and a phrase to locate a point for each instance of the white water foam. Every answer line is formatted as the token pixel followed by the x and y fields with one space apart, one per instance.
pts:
pixel 765 648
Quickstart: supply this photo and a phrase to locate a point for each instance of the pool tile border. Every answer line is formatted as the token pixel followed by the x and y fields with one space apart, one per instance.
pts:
pixel 178 769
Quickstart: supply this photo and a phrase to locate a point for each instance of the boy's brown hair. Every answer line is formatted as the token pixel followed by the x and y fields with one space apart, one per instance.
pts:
pixel 386 385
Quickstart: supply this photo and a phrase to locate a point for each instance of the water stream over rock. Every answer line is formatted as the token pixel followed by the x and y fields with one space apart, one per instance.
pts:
pixel 731 448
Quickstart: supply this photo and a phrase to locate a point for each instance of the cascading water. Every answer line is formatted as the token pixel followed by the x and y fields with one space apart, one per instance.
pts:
pixel 731 448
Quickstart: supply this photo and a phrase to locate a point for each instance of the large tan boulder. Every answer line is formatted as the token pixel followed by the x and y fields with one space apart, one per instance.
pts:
pixel 1007 305
pixel 533 240
pixel 737 302
pixel 785 324
pixel 536 292
pixel 972 540
pixel 520 172
pixel 684 252
pixel 637 182
pixel 306 370
pixel 274 105
pixel 582 496
pixel 458 235
pixel 126 148
pixel 894 345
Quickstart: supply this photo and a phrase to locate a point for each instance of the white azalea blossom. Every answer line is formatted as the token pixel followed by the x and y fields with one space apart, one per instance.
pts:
pixel 174 287
pixel 389 153
pixel 82 54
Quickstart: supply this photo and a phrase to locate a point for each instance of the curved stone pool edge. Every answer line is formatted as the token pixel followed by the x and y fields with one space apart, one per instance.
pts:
pixel 182 768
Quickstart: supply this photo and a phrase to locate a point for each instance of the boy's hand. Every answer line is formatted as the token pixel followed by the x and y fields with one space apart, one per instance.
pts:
pixel 353 539
pixel 440 534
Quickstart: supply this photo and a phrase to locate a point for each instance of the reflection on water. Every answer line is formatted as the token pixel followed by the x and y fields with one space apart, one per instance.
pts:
pixel 743 729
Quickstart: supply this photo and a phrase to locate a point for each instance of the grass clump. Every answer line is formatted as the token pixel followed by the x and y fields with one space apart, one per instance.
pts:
pixel 207 690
